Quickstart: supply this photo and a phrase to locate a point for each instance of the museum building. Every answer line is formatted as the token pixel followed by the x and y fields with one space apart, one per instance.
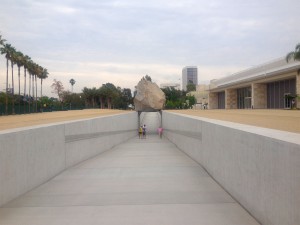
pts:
pixel 272 85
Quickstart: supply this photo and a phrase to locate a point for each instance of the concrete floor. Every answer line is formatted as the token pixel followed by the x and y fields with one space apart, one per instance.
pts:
pixel 143 181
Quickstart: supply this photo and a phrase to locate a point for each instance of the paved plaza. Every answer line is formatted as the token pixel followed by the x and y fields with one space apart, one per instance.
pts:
pixel 142 181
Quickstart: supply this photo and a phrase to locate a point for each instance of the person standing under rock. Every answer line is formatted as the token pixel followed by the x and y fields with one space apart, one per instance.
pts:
pixel 144 131
pixel 160 131
pixel 140 132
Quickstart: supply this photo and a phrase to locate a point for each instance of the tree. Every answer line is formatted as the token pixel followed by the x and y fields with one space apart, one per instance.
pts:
pixel 7 50
pixel 126 97
pixel 20 63
pixel 190 87
pixel 43 76
pixel 34 70
pixel 30 73
pixel 175 99
pixel 122 98
pixel 13 61
pixel 72 100
pixel 58 88
pixel 148 78
pixel 111 92
pixel 25 61
pixel 2 41
pixel 37 74
pixel 90 95
pixel 295 55
pixel 191 100
pixel 72 82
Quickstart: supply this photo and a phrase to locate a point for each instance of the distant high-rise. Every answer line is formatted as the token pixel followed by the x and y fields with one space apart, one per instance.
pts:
pixel 189 75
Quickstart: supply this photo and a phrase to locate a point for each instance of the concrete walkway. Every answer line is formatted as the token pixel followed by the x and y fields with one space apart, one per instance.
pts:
pixel 146 181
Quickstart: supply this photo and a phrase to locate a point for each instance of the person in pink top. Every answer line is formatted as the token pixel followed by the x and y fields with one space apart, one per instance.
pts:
pixel 160 131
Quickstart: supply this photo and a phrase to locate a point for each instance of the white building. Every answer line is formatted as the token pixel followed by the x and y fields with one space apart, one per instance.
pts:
pixel 272 85
pixel 189 75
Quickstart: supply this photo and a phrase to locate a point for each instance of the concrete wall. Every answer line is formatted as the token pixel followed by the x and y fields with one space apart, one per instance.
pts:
pixel 33 155
pixel 259 167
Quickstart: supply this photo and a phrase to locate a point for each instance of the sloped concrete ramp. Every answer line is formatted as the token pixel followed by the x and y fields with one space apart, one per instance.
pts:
pixel 143 181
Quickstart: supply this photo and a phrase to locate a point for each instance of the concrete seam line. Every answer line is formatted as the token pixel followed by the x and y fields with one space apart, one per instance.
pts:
pixel 65 150
pixel 79 137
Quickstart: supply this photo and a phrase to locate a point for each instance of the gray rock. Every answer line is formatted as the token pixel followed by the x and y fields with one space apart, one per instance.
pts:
pixel 149 97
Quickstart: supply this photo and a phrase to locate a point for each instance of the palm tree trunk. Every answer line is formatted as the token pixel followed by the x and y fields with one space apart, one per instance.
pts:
pixel 32 81
pixel 35 94
pixel 13 87
pixel 109 103
pixel 24 89
pixel 101 103
pixel 41 87
pixel 6 97
pixel 19 89
pixel 29 90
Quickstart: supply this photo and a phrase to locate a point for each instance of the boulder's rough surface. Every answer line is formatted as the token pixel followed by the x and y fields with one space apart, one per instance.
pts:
pixel 149 97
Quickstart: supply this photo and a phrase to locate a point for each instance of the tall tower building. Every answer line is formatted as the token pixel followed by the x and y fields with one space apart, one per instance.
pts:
pixel 189 75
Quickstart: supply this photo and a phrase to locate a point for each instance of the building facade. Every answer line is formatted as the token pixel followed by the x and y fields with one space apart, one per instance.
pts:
pixel 273 85
pixel 189 75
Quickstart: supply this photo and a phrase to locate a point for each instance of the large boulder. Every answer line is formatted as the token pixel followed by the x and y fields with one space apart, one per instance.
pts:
pixel 149 97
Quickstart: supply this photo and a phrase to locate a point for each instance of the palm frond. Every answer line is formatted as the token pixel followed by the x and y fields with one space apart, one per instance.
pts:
pixel 289 56
pixel 297 48
pixel 297 56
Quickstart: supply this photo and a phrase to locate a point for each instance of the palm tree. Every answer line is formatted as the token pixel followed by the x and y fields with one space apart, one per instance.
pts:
pixel 7 51
pixel 26 59
pixel 72 82
pixel 13 60
pixel 90 95
pixel 37 70
pixel 102 97
pixel 110 92
pixel 30 73
pixel 44 75
pixel 20 63
pixel 2 41
pixel 295 55
pixel 40 73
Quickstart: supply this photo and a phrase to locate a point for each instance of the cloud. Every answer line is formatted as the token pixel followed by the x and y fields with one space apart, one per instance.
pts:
pixel 120 41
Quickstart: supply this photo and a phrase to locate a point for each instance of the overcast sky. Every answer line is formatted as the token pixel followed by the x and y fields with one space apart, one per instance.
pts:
pixel 119 41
